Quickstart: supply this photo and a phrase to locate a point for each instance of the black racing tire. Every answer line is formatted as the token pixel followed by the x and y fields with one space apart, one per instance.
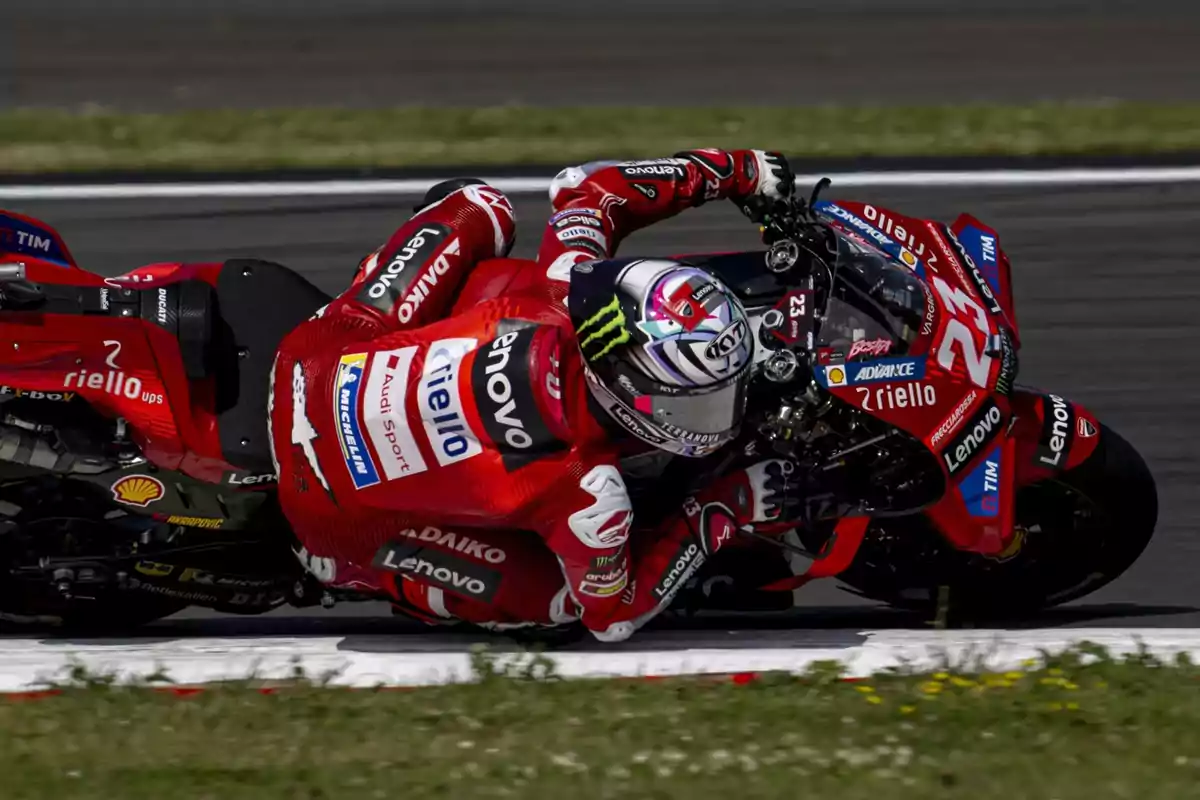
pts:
pixel 1086 527
pixel 30 604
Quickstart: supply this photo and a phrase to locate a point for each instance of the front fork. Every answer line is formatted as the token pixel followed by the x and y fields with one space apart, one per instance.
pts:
pixel 1046 436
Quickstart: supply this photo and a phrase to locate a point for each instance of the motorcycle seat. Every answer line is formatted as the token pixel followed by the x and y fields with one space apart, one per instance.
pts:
pixel 258 303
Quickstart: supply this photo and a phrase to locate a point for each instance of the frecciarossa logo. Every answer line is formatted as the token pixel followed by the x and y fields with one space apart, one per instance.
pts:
pixel 502 381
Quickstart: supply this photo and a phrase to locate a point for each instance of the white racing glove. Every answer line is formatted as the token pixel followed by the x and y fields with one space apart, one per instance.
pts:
pixel 775 178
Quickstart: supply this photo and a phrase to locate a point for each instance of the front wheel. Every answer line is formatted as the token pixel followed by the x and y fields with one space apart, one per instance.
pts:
pixel 1081 529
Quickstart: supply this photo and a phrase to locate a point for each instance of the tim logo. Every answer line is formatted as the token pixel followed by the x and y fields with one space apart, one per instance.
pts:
pixel 981 487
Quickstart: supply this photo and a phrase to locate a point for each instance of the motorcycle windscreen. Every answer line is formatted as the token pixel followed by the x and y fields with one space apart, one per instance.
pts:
pixel 875 309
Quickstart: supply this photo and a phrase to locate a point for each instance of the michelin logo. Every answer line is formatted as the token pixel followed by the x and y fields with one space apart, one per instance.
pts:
pixel 347 392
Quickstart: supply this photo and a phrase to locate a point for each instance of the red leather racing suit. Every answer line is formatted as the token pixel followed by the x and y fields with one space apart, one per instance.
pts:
pixel 454 463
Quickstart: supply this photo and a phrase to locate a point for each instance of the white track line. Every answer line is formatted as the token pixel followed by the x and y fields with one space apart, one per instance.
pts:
pixel 422 660
pixel 535 185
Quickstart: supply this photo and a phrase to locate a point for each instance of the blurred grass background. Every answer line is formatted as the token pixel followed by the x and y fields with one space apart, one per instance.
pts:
pixel 240 84
pixel 50 140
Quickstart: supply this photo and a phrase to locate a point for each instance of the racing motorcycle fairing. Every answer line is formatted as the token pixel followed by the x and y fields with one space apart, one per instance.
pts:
pixel 982 245
pixel 949 387
pixel 1052 433
pixel 115 345
pixel 977 515
pixel 27 239
pixel 927 353
pixel 1046 435
pixel 907 338
pixel 157 347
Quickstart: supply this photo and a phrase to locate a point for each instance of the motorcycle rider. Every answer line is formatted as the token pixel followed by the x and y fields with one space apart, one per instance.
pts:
pixel 419 453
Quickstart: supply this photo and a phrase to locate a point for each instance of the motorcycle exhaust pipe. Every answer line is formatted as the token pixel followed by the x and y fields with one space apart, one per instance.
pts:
pixel 10 273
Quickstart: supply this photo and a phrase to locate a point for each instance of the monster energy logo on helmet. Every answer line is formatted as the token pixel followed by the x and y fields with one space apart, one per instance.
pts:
pixel 605 331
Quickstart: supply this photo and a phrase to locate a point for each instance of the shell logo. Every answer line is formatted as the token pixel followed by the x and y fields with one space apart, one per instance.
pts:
pixel 138 490
pixel 835 376
pixel 907 258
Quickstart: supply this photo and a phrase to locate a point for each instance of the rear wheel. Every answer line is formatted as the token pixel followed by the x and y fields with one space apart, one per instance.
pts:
pixel 1080 531
pixel 72 562
pixel 55 563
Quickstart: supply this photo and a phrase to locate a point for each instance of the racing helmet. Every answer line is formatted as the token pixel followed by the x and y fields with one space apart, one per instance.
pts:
pixel 666 348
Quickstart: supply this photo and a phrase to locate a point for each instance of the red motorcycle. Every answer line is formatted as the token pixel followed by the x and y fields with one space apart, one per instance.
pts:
pixel 136 477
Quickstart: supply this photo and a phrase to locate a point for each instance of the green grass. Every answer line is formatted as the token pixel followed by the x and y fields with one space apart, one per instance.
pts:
pixel 1128 729
pixel 38 141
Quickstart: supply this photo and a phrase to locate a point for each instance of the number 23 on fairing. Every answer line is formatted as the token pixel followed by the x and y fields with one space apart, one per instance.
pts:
pixel 958 339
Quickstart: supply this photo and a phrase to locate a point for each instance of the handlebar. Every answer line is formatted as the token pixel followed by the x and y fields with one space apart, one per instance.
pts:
pixel 789 218
pixel 12 272
pixel 16 293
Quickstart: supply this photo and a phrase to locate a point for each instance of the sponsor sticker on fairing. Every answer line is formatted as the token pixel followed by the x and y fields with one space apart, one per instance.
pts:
pixel 984 248
pixel 24 237
pixel 1008 363
pixel 858 224
pixel 884 369
pixel 250 479
pixel 979 431
pixel 1058 431
pixel 893 396
pixel 385 416
pixel 347 396
pixel 950 424
pixel 982 287
pixel 980 488
pixel 835 375
pixel 138 490
pixel 869 347
pixel 34 394
pixel 440 401
pixel 887 369
pixel 930 313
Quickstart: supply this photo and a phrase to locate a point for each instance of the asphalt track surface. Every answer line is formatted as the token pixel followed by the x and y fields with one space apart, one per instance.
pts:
pixel 179 54
pixel 1107 296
